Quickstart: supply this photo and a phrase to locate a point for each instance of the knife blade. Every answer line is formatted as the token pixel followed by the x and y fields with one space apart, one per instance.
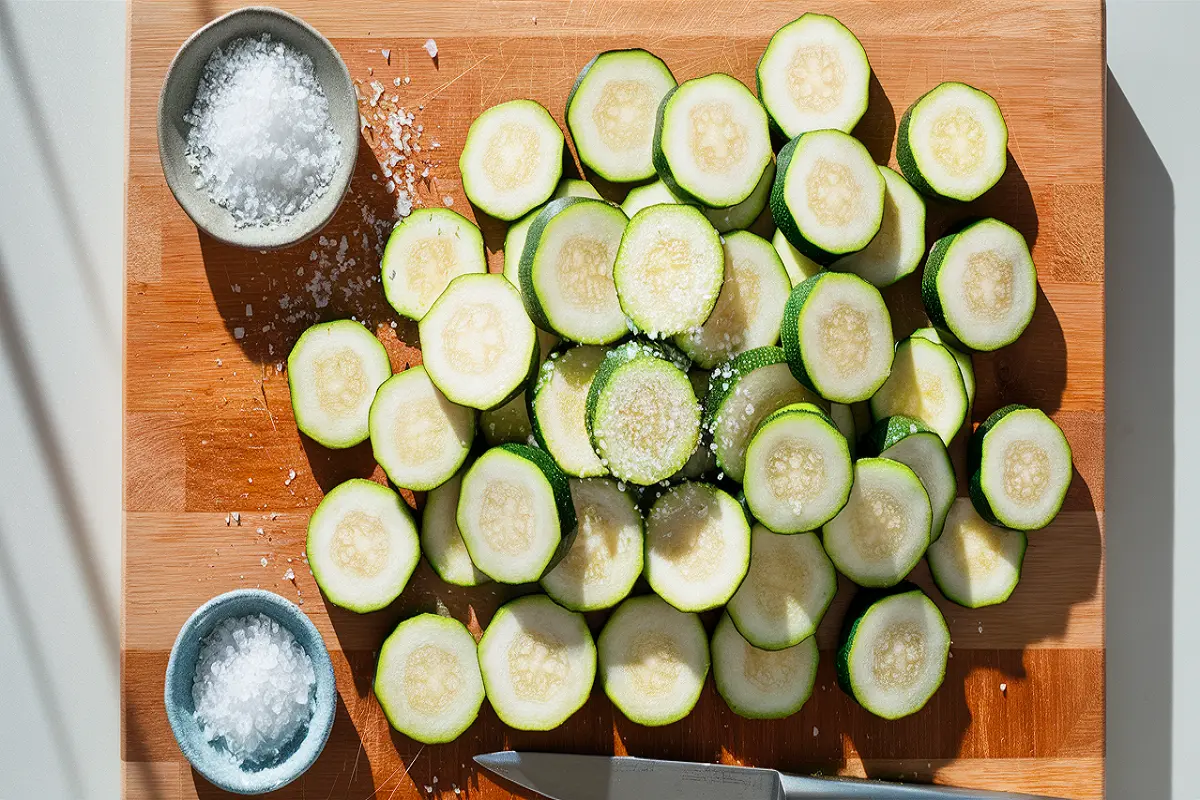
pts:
pixel 563 776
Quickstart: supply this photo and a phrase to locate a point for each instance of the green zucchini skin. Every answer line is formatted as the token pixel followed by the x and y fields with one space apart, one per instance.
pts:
pixel 888 432
pixel 929 291
pixel 782 215
pixel 975 461
pixel 790 338
pixel 720 384
pixel 529 293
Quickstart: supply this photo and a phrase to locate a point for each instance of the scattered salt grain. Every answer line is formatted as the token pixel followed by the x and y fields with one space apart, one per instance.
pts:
pixel 259 531
pixel 448 200
pixel 237 517
pixel 407 80
pixel 239 332
pixel 289 575
pixel 253 687
pixel 431 48
pixel 218 362
pixel 1004 688
pixel 262 142
pixel 395 82
pixel 387 55
pixel 815 731
pixel 249 310
pixel 263 561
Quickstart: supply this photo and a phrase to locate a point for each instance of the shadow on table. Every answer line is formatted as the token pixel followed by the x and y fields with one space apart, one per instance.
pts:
pixel 1140 383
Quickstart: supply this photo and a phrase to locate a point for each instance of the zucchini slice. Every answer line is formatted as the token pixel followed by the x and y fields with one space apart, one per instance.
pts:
pixel 605 560
pixel 669 269
pixel 711 141
pixel 1021 467
pixel 653 660
pixel 787 591
pixel 814 75
pixel 837 335
pixel 828 195
pixel 427 250
pixel 749 309
pixel 893 652
pixel 642 414
pixel 952 142
pixel 362 545
pixel 510 422
pixel 843 419
pixel 742 392
pixel 333 371
pixel 965 366
pixel 898 248
pixel 799 266
pixel 798 470
pixel 747 212
pixel 703 460
pixel 975 563
pixel 558 408
pixel 883 531
pixel 441 541
pixel 538 662
pixel 418 436
pixel 697 546
pixel 514 239
pixel 477 342
pixel 611 112
pixel 512 159
pixel 650 194
pixel 981 285
pixel 428 681
pixel 919 448
pixel 515 513
pixel 762 684
pixel 925 384
pixel 567 270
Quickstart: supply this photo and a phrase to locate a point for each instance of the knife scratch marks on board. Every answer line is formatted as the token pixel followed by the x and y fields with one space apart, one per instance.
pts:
pixel 449 83
pixel 499 81
pixel 405 767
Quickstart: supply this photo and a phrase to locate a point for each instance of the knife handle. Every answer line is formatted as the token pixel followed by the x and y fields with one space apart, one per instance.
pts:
pixel 798 787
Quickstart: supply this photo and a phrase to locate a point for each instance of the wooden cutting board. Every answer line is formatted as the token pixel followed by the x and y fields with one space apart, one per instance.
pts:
pixel 209 430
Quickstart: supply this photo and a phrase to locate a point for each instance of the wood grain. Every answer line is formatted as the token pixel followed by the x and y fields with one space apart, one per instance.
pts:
pixel 208 425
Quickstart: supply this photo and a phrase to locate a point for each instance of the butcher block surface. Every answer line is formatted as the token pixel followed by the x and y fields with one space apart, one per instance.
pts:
pixel 208 428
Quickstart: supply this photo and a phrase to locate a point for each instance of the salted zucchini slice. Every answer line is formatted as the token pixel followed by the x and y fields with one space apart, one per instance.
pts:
pixel 427 250
pixel 518 232
pixel 762 684
pixel 918 447
pixel 558 408
pixel 1020 466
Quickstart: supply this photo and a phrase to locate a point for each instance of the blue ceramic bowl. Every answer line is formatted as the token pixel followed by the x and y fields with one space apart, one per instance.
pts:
pixel 215 763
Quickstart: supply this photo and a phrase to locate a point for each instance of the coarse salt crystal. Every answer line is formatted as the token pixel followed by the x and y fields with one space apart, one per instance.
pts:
pixel 431 48
pixel 387 55
pixel 289 575
pixel 263 561
pixel 239 332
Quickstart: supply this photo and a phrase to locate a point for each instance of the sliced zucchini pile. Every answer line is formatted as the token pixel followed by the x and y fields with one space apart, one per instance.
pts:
pixel 749 309
pixel 418 436
pixel 799 266
pixel 975 563
pixel 428 680
pixel 441 541
pixel 558 408
pixel 515 513
pixel 538 662
pixel 646 195
pixel 925 384
pixel 427 250
pixel 980 284
pixel 518 232
pixel 798 470
pixel 965 365
pixel 510 422
pixel 605 559
pixel 883 530
pixel 478 343
pixel 1020 466
pixel 669 269
pixel 916 446
pixel 900 244
pixel 653 660
pixel 566 270
pixel 814 75
pixel 762 684
pixel 697 546
pixel 787 591
pixel 893 651
pixel 952 142
pixel 512 159
pixel 333 372
pixel 642 414
pixel 611 112
pixel 362 545
pixel 837 335
pixel 747 212
pixel 711 141
pixel 741 394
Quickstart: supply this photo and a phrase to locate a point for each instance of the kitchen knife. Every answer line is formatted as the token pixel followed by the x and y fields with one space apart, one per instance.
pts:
pixel 561 776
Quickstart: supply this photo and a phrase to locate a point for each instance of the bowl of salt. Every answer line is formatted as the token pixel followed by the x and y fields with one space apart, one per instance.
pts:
pixel 258 128
pixel 250 691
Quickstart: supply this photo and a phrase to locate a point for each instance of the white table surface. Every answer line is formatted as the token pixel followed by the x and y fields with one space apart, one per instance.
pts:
pixel 62 100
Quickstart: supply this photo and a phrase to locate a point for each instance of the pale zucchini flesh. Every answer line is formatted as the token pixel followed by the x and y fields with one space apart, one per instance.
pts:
pixel 333 371
pixel 362 545
pixel 558 408
pixel 975 563
pixel 747 212
pixel 915 445
pixel 418 436
pixel 762 684
pixel 898 248
pixel 428 680
pixel 965 365
pixel 651 194
pixel 799 266
pixel 654 660
pixel 441 541
pixel 514 238
pixel 427 250
pixel 697 546
pixel 605 559
pixel 787 591
pixel 512 159
pixel 926 384
pixel 538 662
pixel 1021 467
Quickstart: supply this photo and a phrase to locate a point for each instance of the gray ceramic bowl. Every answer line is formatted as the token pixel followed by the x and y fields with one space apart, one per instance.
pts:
pixel 214 764
pixel 179 92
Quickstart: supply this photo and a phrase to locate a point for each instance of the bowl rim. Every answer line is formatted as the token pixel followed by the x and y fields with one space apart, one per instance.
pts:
pixel 289 615
pixel 188 202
